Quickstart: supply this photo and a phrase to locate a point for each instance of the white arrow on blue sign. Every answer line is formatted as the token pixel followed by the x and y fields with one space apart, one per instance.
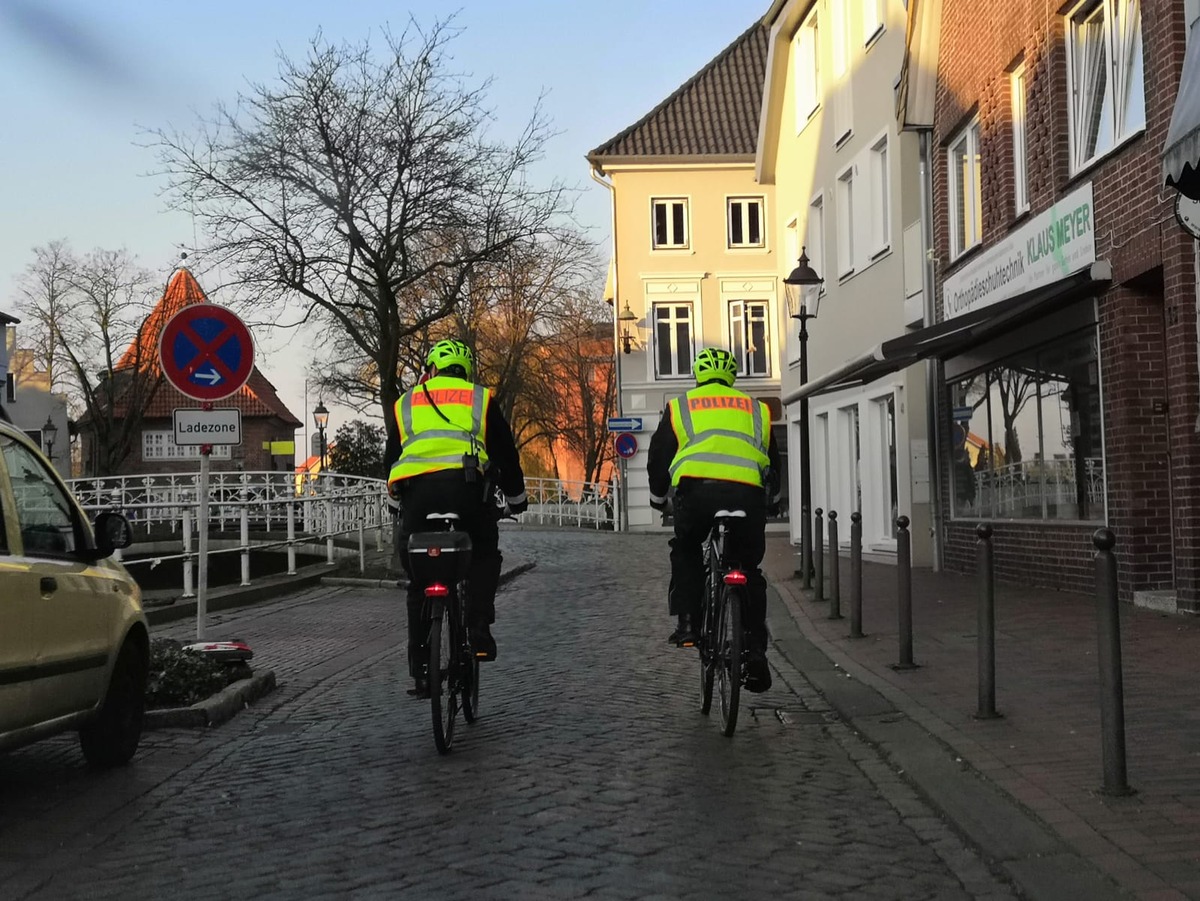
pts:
pixel 625 424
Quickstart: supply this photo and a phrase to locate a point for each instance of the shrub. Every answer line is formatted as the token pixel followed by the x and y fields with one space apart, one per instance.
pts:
pixel 180 677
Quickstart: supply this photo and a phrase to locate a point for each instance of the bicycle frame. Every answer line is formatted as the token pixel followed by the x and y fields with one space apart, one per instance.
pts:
pixel 721 645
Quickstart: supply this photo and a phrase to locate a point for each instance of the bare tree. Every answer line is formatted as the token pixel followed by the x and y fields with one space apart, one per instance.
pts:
pixel 89 314
pixel 365 186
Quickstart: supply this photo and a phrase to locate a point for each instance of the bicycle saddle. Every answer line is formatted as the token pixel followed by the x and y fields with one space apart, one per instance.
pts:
pixel 450 517
pixel 730 514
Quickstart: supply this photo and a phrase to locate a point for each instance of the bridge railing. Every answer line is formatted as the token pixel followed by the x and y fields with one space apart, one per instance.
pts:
pixel 562 502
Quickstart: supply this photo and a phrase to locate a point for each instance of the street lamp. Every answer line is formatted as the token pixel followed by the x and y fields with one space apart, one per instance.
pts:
pixel 49 433
pixel 804 288
pixel 321 418
pixel 627 316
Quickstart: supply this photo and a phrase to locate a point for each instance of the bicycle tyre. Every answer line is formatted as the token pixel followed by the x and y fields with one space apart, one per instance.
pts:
pixel 729 657
pixel 708 657
pixel 443 690
pixel 470 681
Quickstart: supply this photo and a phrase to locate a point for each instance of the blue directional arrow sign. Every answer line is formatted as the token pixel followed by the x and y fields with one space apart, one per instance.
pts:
pixel 625 424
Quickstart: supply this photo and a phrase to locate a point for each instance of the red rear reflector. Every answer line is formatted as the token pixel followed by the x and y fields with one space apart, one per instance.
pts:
pixel 737 577
pixel 435 552
pixel 436 591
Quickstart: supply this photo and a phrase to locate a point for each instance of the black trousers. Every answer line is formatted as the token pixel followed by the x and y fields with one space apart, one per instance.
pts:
pixel 696 503
pixel 448 492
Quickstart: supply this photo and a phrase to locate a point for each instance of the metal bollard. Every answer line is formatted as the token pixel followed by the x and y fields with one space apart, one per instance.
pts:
pixel 244 534
pixel 856 575
pixel 904 594
pixel 835 569
pixel 819 558
pixel 806 574
pixel 291 537
pixel 986 624
pixel 1112 690
pixel 361 512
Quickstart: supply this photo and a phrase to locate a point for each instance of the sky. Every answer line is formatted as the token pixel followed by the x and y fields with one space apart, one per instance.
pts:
pixel 81 82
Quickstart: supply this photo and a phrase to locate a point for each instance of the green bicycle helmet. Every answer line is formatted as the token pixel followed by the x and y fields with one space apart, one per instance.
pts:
pixel 714 363
pixel 451 352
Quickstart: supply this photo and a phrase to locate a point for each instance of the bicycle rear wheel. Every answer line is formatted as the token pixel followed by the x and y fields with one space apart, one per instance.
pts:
pixel 729 656
pixel 470 670
pixel 708 655
pixel 443 684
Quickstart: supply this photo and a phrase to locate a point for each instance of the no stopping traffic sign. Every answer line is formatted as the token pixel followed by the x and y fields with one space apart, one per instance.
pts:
pixel 206 352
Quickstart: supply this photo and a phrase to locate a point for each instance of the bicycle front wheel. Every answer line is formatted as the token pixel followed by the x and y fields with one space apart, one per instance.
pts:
pixel 729 657
pixel 443 687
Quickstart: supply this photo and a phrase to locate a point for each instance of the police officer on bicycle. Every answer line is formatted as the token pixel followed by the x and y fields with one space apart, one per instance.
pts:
pixel 455 447
pixel 715 448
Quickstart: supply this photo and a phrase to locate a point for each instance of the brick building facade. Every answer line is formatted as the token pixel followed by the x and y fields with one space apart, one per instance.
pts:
pixel 1087 397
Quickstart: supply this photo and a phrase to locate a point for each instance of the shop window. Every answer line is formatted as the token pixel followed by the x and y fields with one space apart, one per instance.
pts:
pixel 1106 88
pixel 1026 436
pixel 673 339
pixel 749 338
pixel 670 223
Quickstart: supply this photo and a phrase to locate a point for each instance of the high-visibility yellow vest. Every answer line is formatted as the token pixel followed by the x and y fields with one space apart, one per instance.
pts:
pixel 722 434
pixel 428 443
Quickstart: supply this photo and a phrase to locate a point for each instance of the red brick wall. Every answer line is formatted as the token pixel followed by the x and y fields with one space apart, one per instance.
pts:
pixel 1147 319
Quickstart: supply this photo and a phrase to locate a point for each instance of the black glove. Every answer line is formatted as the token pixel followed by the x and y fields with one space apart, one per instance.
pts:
pixel 519 507
pixel 659 505
pixel 774 508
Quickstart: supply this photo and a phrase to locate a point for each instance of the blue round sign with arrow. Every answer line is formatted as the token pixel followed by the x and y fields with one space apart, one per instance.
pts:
pixel 206 352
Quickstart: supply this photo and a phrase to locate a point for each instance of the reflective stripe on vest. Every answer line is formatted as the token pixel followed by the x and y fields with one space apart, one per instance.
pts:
pixel 721 435
pixel 428 443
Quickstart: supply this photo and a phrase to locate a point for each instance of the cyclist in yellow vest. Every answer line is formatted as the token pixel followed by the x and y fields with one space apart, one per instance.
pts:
pixel 715 448
pixel 455 448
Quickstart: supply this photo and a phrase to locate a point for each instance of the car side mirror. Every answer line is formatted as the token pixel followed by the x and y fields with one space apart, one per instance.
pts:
pixel 112 531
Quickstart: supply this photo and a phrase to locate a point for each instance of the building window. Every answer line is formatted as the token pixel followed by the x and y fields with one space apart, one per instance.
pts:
pixel 841 97
pixel 749 338
pixel 966 203
pixel 10 387
pixel 673 341
pixel 746 222
pixel 1020 169
pixel 815 234
pixel 670 223
pixel 807 51
pixel 873 11
pixel 162 446
pixel 1026 435
pixel 881 229
pixel 1105 73
pixel 845 213
pixel 35 435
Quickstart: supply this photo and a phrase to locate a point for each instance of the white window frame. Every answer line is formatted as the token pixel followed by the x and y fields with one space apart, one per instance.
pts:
pixel 841 99
pixel 744 204
pixel 792 246
pixel 874 13
pixel 806 52
pixel 1122 108
pixel 674 319
pixel 674 242
pixel 969 138
pixel 739 312
pixel 846 252
pixel 814 234
pixel 159 445
pixel 1018 86
pixel 881 199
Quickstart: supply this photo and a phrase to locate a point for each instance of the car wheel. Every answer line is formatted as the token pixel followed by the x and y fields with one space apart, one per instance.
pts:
pixel 112 737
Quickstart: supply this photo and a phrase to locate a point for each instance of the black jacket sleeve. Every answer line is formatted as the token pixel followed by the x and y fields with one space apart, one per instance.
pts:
pixel 503 456
pixel 775 476
pixel 663 446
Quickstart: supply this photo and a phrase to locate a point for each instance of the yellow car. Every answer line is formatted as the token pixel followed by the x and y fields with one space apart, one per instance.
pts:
pixel 74 644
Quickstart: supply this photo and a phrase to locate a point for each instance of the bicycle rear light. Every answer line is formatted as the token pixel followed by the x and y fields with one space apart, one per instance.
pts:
pixel 735 577
pixel 436 590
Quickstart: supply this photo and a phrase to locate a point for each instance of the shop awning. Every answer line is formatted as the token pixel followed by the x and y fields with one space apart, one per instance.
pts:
pixel 945 339
pixel 1181 153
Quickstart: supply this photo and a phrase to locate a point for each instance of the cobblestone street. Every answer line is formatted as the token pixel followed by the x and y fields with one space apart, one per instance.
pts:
pixel 590 772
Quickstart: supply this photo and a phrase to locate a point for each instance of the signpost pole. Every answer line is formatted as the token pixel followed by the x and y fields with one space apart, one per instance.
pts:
pixel 202 522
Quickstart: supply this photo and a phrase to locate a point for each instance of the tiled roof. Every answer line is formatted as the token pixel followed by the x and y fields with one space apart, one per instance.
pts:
pixel 5 319
pixel 714 113
pixel 257 397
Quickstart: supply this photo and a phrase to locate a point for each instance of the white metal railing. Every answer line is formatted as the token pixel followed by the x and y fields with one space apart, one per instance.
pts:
pixel 1031 488
pixel 307 509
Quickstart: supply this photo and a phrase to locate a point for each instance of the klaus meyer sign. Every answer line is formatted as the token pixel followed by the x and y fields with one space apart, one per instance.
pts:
pixel 1051 246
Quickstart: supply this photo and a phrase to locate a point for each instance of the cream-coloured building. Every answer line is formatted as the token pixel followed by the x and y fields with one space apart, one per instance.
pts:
pixel 30 402
pixel 848 188
pixel 697 249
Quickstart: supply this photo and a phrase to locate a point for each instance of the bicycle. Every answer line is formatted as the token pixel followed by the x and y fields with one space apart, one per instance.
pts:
pixel 440 560
pixel 722 643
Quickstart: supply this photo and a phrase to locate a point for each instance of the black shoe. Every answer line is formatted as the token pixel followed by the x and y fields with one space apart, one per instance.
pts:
pixel 483 643
pixel 758 672
pixel 685 634
pixel 420 688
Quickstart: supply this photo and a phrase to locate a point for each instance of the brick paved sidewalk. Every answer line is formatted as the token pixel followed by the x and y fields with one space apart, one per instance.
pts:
pixel 1045 752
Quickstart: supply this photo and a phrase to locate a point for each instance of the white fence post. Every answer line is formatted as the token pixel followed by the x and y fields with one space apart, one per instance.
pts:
pixel 245 532
pixel 188 591
pixel 291 537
